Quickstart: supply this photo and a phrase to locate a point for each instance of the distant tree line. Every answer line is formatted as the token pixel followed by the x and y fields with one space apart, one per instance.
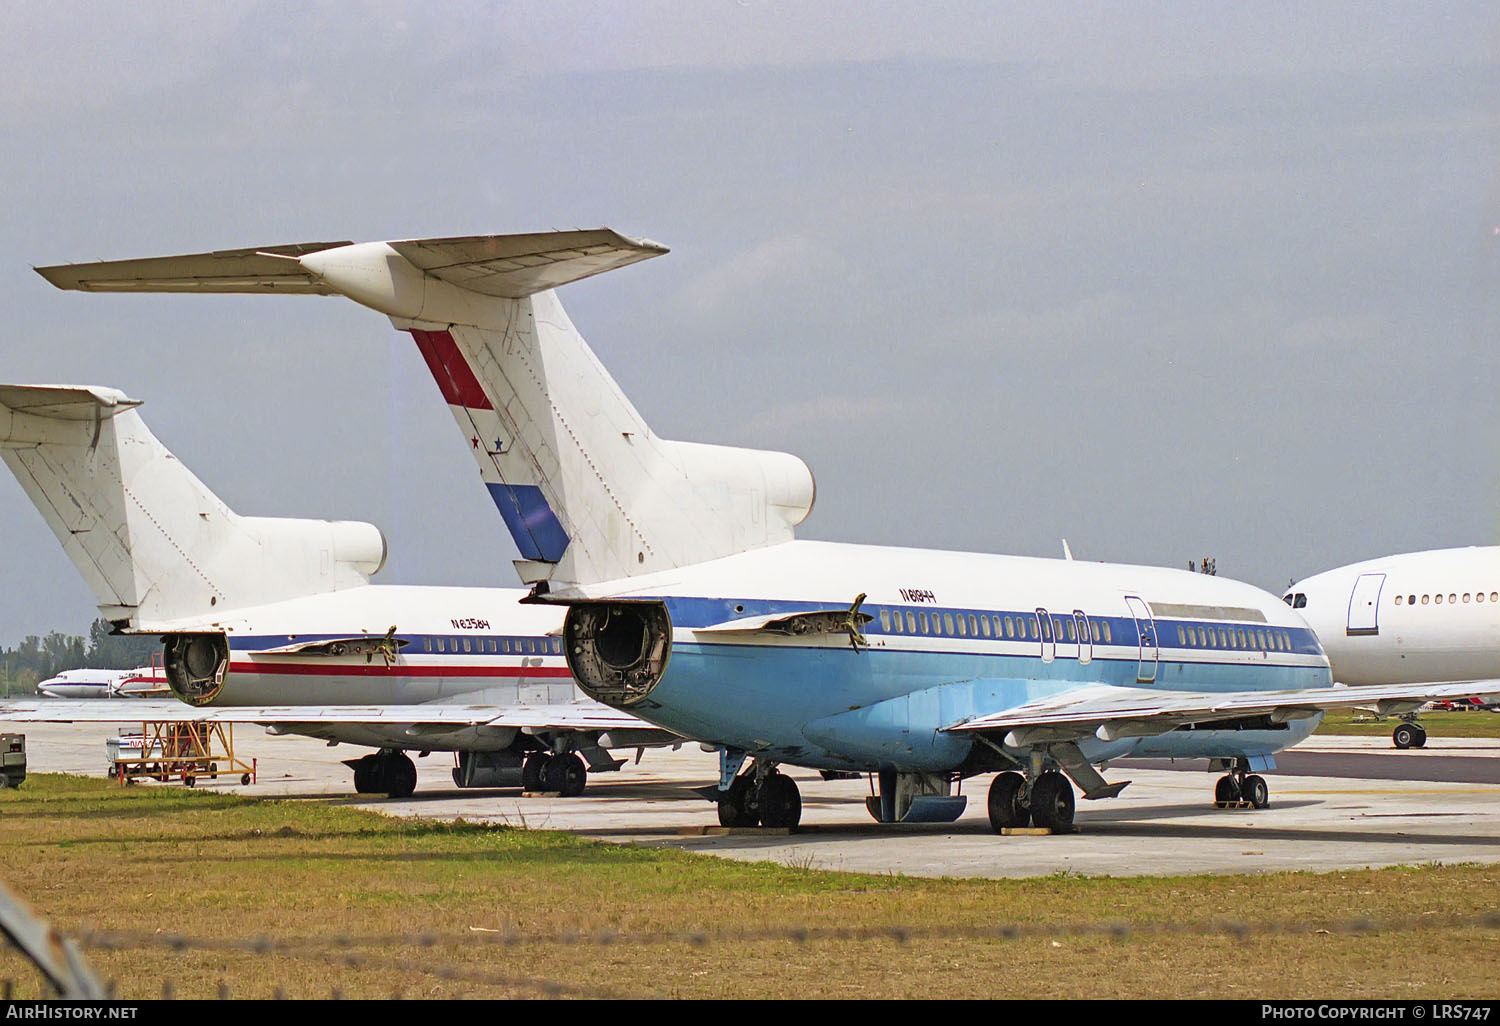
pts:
pixel 35 659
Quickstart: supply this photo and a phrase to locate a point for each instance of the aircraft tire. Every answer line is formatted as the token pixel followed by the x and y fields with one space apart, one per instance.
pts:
pixel 532 770
pixel 733 807
pixel 1006 805
pixel 1404 736
pixel 572 775
pixel 364 775
pixel 400 775
pixel 1256 792
pixel 1052 802
pixel 778 803
pixel 1227 789
pixel 1420 738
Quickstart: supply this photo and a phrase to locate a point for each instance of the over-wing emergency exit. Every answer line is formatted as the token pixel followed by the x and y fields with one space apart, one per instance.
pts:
pixel 690 603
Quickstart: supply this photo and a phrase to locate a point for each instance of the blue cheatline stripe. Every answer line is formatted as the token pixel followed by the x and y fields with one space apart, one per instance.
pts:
pixel 531 522
pixel 691 612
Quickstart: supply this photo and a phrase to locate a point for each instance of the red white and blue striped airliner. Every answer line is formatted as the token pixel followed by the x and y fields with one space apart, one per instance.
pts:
pixel 690 603
pixel 274 621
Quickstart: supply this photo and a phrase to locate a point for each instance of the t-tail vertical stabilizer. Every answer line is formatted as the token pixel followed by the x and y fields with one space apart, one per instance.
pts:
pixel 153 543
pixel 585 488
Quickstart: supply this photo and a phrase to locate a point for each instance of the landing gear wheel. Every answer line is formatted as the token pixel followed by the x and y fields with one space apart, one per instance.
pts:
pixel 1420 740
pixel 734 808
pixel 565 774
pixel 1006 804
pixel 1227 790
pixel 1405 735
pixel 1256 792
pixel 400 775
pixel 778 802
pixel 531 770
pixel 1052 802
pixel 366 771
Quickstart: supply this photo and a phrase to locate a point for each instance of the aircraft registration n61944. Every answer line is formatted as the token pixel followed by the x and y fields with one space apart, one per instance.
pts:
pixel 274 621
pixel 1408 618
pixel 691 604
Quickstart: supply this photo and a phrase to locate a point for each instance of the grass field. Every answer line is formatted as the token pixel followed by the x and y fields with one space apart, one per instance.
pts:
pixel 1463 723
pixel 200 892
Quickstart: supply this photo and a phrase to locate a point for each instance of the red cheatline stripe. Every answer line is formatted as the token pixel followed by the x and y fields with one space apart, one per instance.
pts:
pixel 450 370
pixel 381 670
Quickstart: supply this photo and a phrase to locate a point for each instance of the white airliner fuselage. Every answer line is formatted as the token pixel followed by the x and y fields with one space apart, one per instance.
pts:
pixel 88 682
pixel 1417 616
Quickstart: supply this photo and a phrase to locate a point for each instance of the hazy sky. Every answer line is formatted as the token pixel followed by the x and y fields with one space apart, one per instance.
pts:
pixel 1164 279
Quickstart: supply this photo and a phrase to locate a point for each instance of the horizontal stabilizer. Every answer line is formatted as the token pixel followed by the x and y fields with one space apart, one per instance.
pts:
pixel 261 269
pixel 65 402
pixel 508 266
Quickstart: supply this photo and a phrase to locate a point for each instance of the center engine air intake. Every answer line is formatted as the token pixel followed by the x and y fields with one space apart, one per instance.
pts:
pixel 196 666
pixel 617 651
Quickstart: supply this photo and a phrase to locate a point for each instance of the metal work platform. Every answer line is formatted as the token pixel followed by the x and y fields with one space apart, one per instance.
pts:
pixel 186 752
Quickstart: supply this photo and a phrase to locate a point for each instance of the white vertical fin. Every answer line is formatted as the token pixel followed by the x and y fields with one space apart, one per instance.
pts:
pixel 150 539
pixel 584 487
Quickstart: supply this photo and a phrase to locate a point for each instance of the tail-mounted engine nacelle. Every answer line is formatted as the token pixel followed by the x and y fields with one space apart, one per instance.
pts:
pixel 196 666
pixel 617 651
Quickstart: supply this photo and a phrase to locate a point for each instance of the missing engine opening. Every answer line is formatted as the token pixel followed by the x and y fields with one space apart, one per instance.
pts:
pixel 618 651
pixel 196 666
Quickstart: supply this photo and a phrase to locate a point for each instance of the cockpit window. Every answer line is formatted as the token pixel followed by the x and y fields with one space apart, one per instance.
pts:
pixel 1299 600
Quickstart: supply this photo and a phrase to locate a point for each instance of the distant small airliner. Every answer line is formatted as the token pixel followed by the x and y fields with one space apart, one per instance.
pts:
pixel 1409 618
pixel 87 682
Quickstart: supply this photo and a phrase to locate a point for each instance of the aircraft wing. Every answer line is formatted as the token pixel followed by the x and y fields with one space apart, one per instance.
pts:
pixel 1109 712
pixel 562 716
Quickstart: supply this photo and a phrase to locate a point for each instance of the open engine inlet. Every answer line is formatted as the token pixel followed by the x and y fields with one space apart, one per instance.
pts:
pixel 196 665
pixel 617 651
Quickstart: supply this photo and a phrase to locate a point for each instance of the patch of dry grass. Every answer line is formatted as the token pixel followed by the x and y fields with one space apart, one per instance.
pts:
pixel 363 905
pixel 1455 723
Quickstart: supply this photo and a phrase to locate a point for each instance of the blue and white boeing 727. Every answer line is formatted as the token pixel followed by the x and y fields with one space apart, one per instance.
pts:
pixel 690 603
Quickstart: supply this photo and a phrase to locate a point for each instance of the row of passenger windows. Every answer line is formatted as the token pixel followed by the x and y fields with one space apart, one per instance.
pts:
pixel 494 646
pixel 1253 638
pixel 1452 599
pixel 1034 628
pixel 971 625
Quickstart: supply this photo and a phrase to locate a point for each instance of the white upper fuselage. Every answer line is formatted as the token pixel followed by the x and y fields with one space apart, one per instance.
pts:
pixel 457 642
pixel 1414 617
pixel 975 632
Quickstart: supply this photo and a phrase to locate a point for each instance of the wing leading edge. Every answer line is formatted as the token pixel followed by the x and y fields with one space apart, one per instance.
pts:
pixel 1111 713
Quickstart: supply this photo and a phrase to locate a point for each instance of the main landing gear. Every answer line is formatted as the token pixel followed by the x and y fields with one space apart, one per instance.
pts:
pixel 1409 735
pixel 1241 788
pixel 544 771
pixel 761 796
pixel 1047 803
pixel 387 772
